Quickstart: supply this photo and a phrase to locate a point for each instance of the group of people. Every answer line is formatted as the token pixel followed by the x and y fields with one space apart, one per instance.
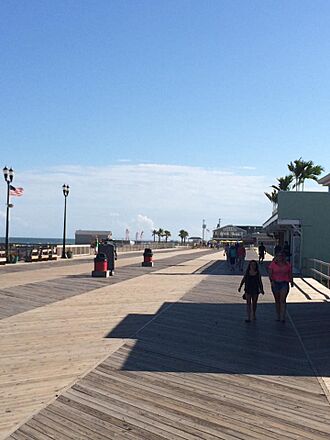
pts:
pixel 280 276
pixel 277 249
pixel 235 256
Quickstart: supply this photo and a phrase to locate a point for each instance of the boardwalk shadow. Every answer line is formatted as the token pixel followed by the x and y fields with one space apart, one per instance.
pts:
pixel 213 338
pixel 222 267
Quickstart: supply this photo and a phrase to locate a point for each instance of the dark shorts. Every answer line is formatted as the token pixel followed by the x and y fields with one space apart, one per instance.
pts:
pixel 277 286
pixel 254 294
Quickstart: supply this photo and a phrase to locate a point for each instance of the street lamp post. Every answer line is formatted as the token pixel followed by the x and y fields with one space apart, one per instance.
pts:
pixel 8 174
pixel 65 189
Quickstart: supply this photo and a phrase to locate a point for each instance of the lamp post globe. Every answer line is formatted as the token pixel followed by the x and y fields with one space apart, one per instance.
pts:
pixel 66 190
pixel 8 175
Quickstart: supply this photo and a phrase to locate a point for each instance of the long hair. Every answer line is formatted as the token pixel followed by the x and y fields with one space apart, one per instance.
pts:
pixel 248 268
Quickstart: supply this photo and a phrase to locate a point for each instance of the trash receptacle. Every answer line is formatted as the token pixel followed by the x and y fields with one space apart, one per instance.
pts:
pixel 109 250
pixel 100 263
pixel 100 266
pixel 147 258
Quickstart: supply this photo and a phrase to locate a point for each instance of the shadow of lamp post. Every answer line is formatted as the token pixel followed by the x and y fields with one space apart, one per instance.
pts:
pixel 8 174
pixel 65 189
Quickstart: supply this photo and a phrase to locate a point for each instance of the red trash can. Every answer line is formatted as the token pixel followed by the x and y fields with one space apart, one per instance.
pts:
pixel 100 263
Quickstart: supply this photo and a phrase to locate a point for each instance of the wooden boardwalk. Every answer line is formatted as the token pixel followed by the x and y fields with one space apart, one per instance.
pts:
pixel 25 289
pixel 60 333
pixel 183 364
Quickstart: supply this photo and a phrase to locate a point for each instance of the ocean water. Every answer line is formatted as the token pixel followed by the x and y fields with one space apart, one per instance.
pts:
pixel 36 240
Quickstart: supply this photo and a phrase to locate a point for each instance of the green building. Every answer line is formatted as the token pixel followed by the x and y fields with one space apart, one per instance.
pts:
pixel 303 220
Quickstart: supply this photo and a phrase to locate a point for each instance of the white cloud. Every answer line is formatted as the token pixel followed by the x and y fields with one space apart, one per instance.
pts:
pixel 137 197
pixel 144 223
pixel 248 168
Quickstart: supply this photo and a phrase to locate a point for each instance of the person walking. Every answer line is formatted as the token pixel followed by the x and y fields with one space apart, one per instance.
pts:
pixel 232 257
pixel 241 256
pixel 287 251
pixel 280 275
pixel 262 252
pixel 277 249
pixel 252 288
pixel 226 253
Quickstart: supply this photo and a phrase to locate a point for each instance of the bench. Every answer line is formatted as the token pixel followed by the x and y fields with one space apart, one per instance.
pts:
pixel 3 258
pixel 52 254
pixel 44 255
pixel 33 255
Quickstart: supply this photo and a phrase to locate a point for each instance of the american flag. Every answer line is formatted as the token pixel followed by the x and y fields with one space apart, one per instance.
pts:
pixel 15 191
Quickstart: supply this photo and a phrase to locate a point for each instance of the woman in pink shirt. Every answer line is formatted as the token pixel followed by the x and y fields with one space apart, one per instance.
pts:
pixel 280 275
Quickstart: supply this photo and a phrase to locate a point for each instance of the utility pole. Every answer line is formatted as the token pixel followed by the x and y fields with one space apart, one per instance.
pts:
pixel 203 230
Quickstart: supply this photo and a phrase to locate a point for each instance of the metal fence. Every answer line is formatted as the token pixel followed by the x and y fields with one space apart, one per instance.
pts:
pixel 40 252
pixel 320 270
pixel 143 245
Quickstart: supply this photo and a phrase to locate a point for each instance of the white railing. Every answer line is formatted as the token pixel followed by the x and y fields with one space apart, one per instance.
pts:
pixel 320 270
pixel 76 249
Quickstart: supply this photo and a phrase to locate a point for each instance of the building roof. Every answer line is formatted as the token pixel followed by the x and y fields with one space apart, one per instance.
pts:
pixel 274 223
pixel 82 232
pixel 229 228
pixel 325 181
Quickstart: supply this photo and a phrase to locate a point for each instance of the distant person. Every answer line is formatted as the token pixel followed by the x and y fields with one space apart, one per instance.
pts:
pixel 226 253
pixel 277 249
pixel 232 257
pixel 110 241
pixel 236 247
pixel 262 252
pixel 241 253
pixel 252 288
pixel 280 275
pixel 96 245
pixel 287 251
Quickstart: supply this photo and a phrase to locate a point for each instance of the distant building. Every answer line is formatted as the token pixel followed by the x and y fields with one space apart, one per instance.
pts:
pixel 195 240
pixel 325 181
pixel 252 229
pixel 89 237
pixel 248 234
pixel 229 233
pixel 302 219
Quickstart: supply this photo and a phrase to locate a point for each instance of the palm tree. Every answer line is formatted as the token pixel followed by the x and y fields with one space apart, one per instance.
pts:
pixel 160 233
pixel 297 167
pixel 154 233
pixel 303 170
pixel 273 196
pixel 183 235
pixel 311 172
pixel 284 183
pixel 167 234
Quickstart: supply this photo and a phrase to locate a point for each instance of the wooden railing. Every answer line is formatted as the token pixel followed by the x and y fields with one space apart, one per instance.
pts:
pixel 320 270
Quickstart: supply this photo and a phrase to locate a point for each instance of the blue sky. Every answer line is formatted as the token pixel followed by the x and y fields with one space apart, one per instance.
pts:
pixel 234 88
